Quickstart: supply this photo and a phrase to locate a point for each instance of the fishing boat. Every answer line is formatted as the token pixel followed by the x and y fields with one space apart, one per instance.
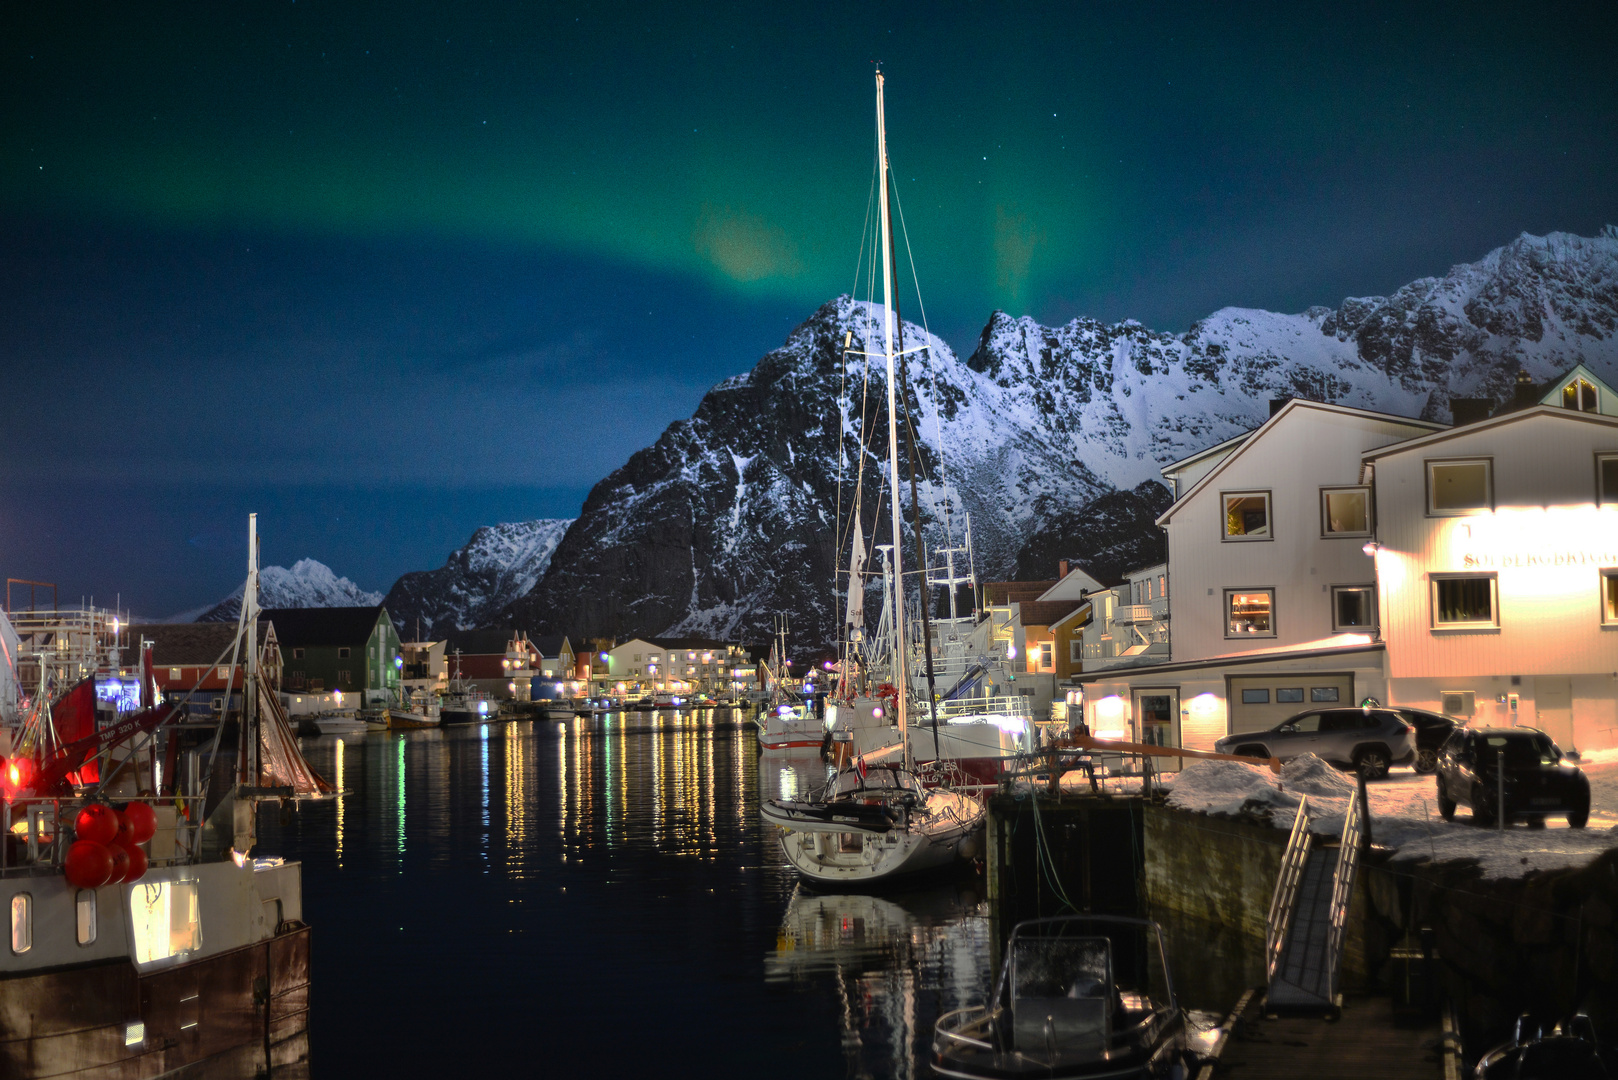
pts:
pixel 146 938
pixel 461 703
pixel 419 710
pixel 1077 996
pixel 875 821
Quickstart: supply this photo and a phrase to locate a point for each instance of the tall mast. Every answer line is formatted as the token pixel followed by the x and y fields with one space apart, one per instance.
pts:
pixel 901 674
pixel 249 733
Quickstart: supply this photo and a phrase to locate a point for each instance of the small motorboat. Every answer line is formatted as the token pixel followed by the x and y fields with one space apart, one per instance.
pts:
pixel 1077 996
pixel 790 727
pixel 1569 1051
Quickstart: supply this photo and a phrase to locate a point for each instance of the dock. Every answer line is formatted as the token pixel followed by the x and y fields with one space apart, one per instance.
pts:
pixel 1367 1039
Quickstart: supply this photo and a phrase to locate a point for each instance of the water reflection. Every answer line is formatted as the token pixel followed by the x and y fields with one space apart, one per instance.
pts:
pixel 895 963
pixel 591 871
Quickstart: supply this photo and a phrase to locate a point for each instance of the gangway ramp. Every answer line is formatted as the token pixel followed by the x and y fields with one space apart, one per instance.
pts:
pixel 1309 916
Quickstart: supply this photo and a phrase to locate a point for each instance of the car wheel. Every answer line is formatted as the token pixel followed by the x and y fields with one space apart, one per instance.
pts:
pixel 1578 815
pixel 1426 761
pixel 1446 805
pixel 1371 762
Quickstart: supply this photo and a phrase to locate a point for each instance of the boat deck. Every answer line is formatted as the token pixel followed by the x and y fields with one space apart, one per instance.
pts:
pixel 1367 1040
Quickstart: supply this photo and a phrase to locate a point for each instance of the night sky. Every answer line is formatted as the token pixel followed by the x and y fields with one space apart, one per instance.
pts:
pixel 388 272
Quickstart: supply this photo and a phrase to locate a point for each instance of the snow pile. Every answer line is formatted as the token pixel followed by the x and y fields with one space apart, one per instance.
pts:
pixel 1229 787
pixel 1310 775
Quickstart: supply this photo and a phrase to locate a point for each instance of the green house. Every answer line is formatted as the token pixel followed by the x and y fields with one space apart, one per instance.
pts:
pixel 352 649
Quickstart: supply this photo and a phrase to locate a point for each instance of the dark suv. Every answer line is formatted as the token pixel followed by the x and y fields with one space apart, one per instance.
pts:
pixel 1431 731
pixel 1366 740
pixel 1540 781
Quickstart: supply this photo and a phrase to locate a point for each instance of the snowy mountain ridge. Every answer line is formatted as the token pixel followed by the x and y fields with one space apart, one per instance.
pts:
pixel 730 516
pixel 307 584
pixel 499 564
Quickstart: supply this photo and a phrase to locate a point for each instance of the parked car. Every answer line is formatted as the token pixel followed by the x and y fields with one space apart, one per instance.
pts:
pixel 1366 740
pixel 1431 731
pixel 1540 781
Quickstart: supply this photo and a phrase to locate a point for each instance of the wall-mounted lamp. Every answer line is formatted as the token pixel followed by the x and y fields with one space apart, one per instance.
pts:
pixel 1371 547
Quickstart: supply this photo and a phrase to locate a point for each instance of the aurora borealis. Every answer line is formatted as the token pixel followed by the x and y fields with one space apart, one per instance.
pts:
pixel 393 271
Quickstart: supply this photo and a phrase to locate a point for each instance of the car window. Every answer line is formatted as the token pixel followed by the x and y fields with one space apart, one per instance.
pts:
pixel 1340 720
pixel 1519 749
pixel 1309 722
pixel 1455 743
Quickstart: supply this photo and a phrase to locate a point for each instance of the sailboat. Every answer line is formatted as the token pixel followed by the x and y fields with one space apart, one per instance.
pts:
pixel 874 821
pixel 180 950
pixel 785 721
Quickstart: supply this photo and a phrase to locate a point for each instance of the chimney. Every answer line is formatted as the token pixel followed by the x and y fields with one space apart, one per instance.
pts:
pixel 1469 410
pixel 1277 404
pixel 1061 569
pixel 1525 395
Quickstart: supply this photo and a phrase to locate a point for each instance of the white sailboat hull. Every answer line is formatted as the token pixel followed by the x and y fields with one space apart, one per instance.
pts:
pixel 943 833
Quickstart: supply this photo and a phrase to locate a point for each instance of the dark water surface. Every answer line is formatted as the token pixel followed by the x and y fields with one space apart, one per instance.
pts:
pixel 534 897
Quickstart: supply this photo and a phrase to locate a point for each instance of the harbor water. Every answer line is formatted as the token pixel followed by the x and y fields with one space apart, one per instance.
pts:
pixel 600 895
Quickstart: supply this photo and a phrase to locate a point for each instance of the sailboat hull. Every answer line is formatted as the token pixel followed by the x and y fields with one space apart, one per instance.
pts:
pixel 847 855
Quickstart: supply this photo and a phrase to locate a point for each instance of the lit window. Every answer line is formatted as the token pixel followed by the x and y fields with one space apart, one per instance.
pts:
pixel 1458 487
pixel 1345 511
pixel 1288 694
pixel 174 674
pixel 1609 597
pixel 1579 395
pixel 1247 516
pixel 1607 479
pixel 1353 607
pixel 22 923
pixel 1464 601
pixel 85 908
pixel 164 918
pixel 1250 612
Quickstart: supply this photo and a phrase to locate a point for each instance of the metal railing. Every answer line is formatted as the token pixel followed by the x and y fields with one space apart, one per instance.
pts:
pixel 1342 887
pixel 1002 705
pixel 1286 889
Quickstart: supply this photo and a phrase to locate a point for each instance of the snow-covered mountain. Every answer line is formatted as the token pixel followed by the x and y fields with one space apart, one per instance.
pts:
pixel 499 564
pixel 308 584
pixel 1051 437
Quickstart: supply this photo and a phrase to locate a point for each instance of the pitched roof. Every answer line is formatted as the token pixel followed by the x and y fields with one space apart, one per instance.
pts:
pixel 1015 592
pixel 176 644
pixel 1046 612
pixel 550 644
pixel 686 643
pixel 480 642
pixel 323 626
pixel 1281 416
pixel 1554 412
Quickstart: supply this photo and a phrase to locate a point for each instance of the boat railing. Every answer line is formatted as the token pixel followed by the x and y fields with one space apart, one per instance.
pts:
pixel 38 832
pixel 1003 705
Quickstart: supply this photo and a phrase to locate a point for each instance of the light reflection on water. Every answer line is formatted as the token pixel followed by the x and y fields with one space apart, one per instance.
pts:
pixel 606 882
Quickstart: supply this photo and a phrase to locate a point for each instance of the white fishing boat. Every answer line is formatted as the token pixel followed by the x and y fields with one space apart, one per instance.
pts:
pixel 786 722
pixel 875 821
pixel 146 939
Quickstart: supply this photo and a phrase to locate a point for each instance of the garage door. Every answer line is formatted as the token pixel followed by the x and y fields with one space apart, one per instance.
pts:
pixel 1262 701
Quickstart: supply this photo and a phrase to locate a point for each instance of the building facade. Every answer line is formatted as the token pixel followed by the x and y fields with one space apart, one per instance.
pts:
pixel 352 650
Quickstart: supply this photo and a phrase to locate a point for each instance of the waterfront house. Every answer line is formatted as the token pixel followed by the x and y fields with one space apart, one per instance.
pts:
pixel 426 666
pixel 670 665
pixel 556 660
pixel 1265 569
pixel 353 650
pixel 500 664
pixel 191 662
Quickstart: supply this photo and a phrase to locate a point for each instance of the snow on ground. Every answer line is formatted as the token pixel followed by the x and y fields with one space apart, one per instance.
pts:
pixel 1404 811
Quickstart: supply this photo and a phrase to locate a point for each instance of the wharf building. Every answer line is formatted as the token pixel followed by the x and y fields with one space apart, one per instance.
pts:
pixel 1336 555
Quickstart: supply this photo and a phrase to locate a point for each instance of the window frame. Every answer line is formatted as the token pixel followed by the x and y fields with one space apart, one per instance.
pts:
pixel 1604 498
pixel 1289 700
pixel 79 903
pixel 1325 517
pixel 344 652
pixel 1494 601
pixel 1488 485
pixel 1245 635
pixel 1243 493
pixel 1368 587
pixel 1609 583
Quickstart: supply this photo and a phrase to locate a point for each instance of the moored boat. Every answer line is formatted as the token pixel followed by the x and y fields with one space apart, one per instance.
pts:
pixel 1079 996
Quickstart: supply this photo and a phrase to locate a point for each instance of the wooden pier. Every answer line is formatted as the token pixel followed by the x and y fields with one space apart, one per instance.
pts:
pixel 1368 1039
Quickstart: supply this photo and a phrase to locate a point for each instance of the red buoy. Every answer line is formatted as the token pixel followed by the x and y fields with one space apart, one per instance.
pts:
pixel 137 864
pixel 120 862
pixel 126 831
pixel 88 864
pixel 97 822
pixel 142 821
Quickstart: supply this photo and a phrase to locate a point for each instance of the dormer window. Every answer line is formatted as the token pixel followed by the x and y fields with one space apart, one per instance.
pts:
pixel 1579 395
pixel 1247 515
